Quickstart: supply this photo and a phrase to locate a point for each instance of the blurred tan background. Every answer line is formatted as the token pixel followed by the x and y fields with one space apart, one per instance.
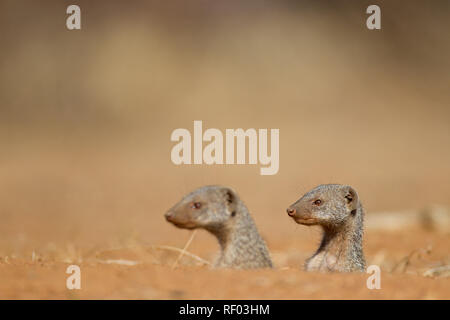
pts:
pixel 86 116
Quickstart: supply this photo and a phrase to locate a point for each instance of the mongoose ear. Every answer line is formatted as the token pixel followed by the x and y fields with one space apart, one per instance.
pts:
pixel 352 199
pixel 230 200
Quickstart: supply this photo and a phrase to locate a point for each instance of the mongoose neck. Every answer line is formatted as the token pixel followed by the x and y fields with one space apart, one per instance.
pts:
pixel 343 244
pixel 240 242
pixel 230 234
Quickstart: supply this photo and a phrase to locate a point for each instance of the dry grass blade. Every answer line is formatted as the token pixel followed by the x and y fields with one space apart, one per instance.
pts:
pixel 442 271
pixel 406 261
pixel 119 262
pixel 187 253
pixel 184 249
pixel 162 247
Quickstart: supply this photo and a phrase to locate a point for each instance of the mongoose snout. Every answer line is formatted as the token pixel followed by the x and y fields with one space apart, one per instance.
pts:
pixel 220 211
pixel 179 219
pixel 301 217
pixel 337 209
pixel 290 211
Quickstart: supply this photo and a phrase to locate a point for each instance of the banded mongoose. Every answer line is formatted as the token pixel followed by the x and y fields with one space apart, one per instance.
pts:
pixel 338 210
pixel 220 211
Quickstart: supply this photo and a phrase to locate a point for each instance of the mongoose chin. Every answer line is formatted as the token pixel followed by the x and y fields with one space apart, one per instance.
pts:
pixel 219 210
pixel 338 210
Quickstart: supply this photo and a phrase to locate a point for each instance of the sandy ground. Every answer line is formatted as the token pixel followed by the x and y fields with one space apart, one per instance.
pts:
pixel 106 216
pixel 154 278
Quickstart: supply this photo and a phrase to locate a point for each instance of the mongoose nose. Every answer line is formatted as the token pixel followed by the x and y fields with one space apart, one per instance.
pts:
pixel 168 216
pixel 290 212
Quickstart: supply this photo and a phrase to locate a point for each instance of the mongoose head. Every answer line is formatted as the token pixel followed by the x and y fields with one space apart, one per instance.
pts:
pixel 329 205
pixel 209 207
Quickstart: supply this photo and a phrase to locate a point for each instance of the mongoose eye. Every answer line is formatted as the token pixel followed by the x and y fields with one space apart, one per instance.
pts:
pixel 318 202
pixel 196 205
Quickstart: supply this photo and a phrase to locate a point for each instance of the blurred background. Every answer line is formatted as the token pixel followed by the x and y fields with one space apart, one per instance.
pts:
pixel 86 115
